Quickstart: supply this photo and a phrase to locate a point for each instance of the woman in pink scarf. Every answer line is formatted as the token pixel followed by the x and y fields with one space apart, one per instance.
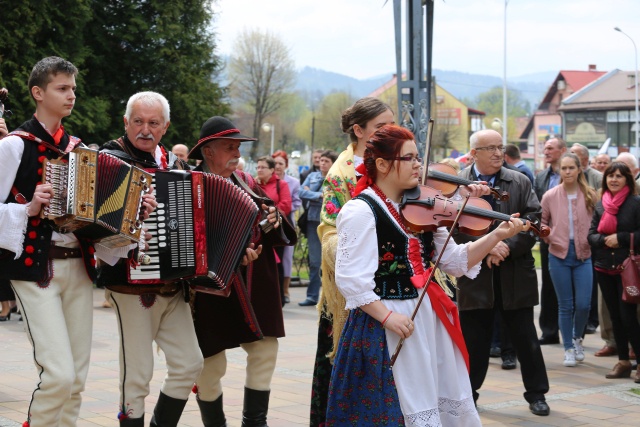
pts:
pixel 616 217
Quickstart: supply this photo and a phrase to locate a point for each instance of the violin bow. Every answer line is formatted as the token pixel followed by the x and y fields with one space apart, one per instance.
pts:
pixel 433 270
pixel 427 152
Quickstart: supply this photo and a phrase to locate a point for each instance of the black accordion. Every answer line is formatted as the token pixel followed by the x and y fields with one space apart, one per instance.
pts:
pixel 96 195
pixel 200 230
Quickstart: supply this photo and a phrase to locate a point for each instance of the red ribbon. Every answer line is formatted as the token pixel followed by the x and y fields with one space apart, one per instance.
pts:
pixel 445 309
pixel 364 182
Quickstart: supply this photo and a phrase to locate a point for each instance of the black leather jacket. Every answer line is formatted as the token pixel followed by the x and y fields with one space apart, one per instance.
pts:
pixel 628 222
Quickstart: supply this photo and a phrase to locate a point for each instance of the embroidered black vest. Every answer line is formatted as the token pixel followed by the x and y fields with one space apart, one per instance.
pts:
pixel 393 277
pixel 115 277
pixel 33 264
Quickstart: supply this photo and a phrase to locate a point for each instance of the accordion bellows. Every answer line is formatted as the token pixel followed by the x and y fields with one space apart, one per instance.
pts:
pixel 96 195
pixel 200 229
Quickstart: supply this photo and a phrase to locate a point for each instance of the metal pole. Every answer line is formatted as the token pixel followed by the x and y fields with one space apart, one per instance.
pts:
pixel 313 131
pixel 273 128
pixel 635 49
pixel 504 80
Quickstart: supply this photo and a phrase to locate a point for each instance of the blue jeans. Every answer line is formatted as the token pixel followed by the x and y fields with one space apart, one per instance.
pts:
pixel 572 279
pixel 315 258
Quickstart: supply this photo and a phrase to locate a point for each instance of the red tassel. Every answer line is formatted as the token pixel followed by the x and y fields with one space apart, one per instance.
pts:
pixel 124 414
pixel 194 390
pixel 25 424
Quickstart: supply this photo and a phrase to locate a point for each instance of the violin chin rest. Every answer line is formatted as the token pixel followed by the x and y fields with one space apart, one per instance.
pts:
pixel 411 194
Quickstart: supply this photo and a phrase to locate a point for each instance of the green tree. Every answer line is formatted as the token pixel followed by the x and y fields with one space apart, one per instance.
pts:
pixel 120 47
pixel 33 30
pixel 328 131
pixel 161 45
pixel 491 103
pixel 263 73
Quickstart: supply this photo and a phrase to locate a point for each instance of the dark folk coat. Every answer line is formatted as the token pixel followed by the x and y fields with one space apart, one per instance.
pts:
pixel 220 322
pixel 517 272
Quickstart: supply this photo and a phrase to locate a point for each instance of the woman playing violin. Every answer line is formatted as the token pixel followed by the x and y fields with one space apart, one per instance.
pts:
pixel 380 270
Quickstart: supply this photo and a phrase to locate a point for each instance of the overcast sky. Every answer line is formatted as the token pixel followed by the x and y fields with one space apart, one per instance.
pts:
pixel 356 37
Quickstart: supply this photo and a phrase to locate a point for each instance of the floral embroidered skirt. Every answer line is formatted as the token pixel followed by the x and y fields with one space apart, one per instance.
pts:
pixel 429 384
pixel 362 391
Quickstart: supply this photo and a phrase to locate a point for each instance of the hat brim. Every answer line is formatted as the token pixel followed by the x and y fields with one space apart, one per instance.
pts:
pixel 196 153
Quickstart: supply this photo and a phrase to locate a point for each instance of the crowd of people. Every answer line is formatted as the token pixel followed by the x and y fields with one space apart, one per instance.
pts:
pixel 367 270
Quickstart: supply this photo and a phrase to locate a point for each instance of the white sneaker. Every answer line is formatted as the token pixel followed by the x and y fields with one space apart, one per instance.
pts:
pixel 579 349
pixel 569 358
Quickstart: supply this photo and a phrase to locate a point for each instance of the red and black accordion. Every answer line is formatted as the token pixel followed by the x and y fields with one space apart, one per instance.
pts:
pixel 200 230
pixel 96 195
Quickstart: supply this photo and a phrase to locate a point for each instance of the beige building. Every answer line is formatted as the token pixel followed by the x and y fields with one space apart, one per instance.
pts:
pixel 603 109
pixel 454 121
pixel 547 120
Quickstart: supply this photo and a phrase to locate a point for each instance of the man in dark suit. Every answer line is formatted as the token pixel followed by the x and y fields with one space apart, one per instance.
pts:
pixel 546 179
pixel 507 281
pixel 512 157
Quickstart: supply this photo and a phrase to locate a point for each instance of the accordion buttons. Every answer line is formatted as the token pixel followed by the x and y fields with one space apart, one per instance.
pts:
pixel 41 159
pixel 29 249
pixel 35 222
pixel 28 262
pixel 42 148
pixel 33 235
pixel 39 171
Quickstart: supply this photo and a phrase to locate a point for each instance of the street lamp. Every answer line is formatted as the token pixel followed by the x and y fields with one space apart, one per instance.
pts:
pixel 504 80
pixel 635 49
pixel 497 124
pixel 269 127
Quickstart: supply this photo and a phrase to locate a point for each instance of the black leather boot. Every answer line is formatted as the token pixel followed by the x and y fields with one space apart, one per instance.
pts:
pixel 132 422
pixel 256 405
pixel 167 411
pixel 212 413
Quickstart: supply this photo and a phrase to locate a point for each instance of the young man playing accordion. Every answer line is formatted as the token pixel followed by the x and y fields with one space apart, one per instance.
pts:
pixel 51 272
pixel 149 313
pixel 223 323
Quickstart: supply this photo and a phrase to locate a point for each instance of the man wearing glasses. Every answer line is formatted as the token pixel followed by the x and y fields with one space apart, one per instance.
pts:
pixel 507 282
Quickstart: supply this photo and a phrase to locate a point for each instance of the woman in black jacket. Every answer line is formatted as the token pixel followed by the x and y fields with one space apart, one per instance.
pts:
pixel 616 216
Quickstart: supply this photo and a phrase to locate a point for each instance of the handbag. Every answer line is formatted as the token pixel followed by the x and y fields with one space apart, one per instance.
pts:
pixel 303 221
pixel 630 273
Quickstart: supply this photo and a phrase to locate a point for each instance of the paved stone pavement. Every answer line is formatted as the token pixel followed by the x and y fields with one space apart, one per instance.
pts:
pixel 579 396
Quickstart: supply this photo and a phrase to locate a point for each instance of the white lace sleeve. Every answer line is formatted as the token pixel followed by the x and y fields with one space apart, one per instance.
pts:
pixel 357 254
pixel 454 260
pixel 13 216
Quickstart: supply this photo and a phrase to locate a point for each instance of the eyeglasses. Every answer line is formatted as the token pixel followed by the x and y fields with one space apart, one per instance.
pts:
pixel 492 148
pixel 407 158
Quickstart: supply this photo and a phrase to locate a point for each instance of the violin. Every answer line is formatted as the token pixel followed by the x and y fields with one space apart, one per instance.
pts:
pixel 4 94
pixel 425 209
pixel 444 178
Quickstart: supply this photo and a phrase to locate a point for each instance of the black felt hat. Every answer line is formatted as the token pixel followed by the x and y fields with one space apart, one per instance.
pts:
pixel 216 128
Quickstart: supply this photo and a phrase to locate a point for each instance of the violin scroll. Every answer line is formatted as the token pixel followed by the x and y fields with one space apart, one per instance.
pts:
pixel 4 94
pixel 444 178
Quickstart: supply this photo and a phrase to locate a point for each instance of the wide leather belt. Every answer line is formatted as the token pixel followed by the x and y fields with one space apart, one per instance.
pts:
pixel 60 252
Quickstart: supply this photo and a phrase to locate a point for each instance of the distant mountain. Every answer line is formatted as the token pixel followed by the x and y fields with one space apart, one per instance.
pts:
pixel 314 80
pixel 315 83
pixel 461 85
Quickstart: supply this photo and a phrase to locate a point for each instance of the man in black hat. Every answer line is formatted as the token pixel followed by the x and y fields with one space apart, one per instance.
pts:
pixel 222 323
pixel 148 313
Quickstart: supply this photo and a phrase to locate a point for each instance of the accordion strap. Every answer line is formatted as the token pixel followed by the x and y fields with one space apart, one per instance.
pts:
pixel 127 156
pixel 31 137
pixel 259 200
pixel 256 198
